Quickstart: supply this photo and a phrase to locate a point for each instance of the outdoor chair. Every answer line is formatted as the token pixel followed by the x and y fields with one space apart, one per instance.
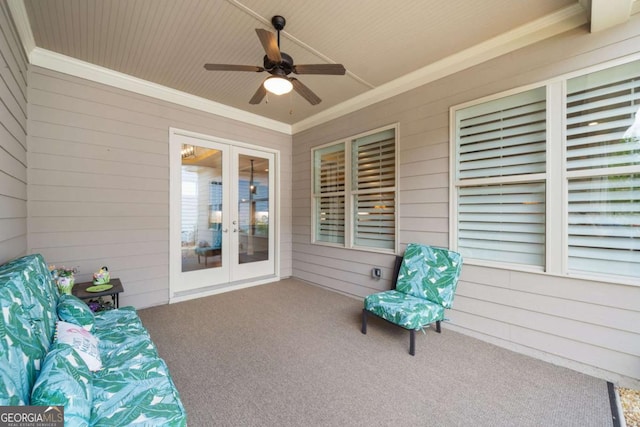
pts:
pixel 424 288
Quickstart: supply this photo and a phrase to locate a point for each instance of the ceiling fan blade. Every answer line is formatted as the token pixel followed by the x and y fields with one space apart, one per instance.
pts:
pixel 229 67
pixel 259 95
pixel 270 44
pixel 331 69
pixel 305 92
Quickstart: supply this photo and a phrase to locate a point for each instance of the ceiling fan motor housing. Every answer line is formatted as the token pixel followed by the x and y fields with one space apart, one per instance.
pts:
pixel 273 67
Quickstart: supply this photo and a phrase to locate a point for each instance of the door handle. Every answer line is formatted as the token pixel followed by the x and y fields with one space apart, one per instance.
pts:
pixel 226 230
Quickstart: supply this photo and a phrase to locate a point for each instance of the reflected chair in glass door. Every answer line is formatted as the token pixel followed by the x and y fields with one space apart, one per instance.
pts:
pixel 210 250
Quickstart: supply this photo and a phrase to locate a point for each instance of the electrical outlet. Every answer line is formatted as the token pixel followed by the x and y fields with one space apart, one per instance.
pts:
pixel 376 273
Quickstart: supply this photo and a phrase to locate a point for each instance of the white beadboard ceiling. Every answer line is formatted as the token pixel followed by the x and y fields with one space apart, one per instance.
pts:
pixel 379 42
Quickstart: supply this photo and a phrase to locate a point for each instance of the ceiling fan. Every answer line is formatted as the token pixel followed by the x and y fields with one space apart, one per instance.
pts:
pixel 280 65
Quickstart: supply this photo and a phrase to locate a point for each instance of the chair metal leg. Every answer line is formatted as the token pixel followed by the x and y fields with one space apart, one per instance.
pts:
pixel 438 326
pixel 364 321
pixel 412 342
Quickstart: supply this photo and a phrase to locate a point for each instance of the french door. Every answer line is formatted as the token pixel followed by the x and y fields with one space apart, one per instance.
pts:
pixel 222 215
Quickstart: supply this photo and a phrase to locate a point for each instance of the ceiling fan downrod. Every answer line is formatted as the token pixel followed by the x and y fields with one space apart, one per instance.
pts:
pixel 278 23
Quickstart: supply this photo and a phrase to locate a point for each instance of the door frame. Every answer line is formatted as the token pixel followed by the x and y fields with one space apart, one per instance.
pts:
pixel 175 203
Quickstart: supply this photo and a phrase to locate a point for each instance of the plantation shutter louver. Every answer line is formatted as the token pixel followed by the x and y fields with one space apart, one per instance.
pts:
pixel 600 110
pixel 505 137
pixel 329 190
pixel 604 225
pixel 603 141
pixel 503 222
pixel 373 188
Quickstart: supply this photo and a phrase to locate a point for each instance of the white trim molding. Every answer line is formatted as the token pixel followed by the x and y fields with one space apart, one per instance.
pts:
pixel 67 65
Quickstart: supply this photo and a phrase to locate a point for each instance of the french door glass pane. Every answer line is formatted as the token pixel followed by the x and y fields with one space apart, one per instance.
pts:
pixel 253 209
pixel 201 228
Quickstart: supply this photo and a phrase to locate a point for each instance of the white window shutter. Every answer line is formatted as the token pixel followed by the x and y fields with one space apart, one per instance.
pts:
pixel 330 214
pixel 329 194
pixel 373 188
pixel 603 164
pixel 503 222
pixel 600 110
pixel 604 225
pixel 501 138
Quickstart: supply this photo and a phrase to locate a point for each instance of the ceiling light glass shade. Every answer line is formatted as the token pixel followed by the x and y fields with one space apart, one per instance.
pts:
pixel 278 85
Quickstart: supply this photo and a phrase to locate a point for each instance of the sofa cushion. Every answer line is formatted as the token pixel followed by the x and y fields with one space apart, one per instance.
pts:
pixel 140 394
pixel 16 376
pixel 73 310
pixel 27 322
pixel 134 387
pixel 65 380
pixel 82 341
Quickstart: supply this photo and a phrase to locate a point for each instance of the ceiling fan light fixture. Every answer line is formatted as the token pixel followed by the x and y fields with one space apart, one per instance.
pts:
pixel 278 85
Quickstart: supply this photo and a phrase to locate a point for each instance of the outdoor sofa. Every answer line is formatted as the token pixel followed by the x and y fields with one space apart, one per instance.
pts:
pixel 102 368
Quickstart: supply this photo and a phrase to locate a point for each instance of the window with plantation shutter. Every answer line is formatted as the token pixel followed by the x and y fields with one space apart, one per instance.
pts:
pixel 604 225
pixel 373 168
pixel 548 179
pixel 603 170
pixel 356 207
pixel 600 113
pixel 503 221
pixel 504 137
pixel 329 190
pixel 501 161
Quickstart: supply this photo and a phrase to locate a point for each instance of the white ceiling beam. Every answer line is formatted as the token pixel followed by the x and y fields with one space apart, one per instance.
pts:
pixel 609 13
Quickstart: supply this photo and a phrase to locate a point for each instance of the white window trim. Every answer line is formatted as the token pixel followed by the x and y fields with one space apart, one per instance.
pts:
pixel 557 194
pixel 349 202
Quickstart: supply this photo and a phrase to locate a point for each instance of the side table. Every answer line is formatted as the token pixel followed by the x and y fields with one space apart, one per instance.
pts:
pixel 80 290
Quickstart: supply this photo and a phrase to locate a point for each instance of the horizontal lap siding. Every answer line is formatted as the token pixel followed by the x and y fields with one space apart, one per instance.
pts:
pixel 590 326
pixel 99 179
pixel 13 141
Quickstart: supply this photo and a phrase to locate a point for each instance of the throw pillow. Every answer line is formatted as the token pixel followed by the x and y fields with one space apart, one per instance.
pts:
pixel 71 309
pixel 65 381
pixel 82 341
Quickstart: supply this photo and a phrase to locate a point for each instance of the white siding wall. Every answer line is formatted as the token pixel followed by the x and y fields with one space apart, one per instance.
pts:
pixel 13 141
pixel 98 190
pixel 593 327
